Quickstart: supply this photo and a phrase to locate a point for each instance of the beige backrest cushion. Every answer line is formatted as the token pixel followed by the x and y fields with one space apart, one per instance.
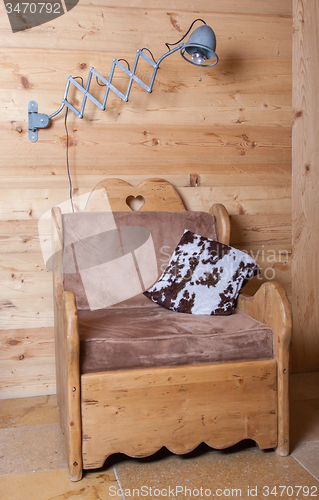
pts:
pixel 110 258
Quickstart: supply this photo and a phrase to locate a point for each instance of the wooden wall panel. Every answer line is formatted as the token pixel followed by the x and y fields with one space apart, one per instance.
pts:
pixel 305 227
pixel 224 139
pixel 248 35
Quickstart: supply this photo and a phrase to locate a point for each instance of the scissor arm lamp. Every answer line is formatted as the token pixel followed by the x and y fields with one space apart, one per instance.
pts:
pixel 200 47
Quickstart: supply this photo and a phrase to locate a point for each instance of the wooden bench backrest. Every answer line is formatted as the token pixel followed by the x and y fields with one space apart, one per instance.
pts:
pixel 118 196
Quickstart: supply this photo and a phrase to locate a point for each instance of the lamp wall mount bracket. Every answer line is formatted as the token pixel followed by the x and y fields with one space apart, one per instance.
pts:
pixel 35 120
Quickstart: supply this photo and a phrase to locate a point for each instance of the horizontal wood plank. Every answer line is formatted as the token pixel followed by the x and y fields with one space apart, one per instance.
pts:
pixel 254 36
pixel 257 75
pixel 29 313
pixel 27 378
pixel 265 175
pixel 30 203
pixel 20 344
pixel 239 200
pixel 190 107
pixel 218 144
pixel 271 7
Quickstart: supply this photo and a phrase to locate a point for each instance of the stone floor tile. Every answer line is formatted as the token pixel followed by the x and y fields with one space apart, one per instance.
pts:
pixel 28 411
pixel 233 472
pixel 56 485
pixel 307 454
pixel 304 422
pixel 32 448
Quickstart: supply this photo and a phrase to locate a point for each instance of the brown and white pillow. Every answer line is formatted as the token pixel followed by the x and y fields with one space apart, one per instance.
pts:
pixel 203 277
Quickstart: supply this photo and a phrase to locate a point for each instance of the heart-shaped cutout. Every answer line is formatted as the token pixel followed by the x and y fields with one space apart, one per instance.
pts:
pixel 135 203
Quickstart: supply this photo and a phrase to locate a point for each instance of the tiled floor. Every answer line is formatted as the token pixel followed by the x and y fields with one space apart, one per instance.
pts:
pixel 33 467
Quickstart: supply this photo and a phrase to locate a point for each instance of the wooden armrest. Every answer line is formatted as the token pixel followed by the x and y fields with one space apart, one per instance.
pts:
pixel 68 380
pixel 270 305
pixel 223 222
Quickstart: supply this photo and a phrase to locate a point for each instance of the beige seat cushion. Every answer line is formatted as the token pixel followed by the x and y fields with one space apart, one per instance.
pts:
pixel 119 339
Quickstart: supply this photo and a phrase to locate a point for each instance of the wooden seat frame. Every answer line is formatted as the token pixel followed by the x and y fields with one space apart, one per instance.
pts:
pixel 138 411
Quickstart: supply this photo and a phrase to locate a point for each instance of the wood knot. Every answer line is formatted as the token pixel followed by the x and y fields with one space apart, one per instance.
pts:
pixel 21 357
pixel 174 21
pixel 82 65
pixel 72 142
pixel 13 342
pixel 25 82
pixel 194 180
pixel 75 101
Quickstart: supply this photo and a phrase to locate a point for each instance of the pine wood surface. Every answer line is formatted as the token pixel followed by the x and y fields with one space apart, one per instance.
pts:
pixel 223 222
pixel 35 376
pixel 130 414
pixel 266 74
pixel 226 139
pixel 215 145
pixel 174 400
pixel 270 305
pixel 15 345
pixel 269 35
pixel 305 228
pixel 119 195
pixel 242 174
pixel 283 7
pixel 68 380
pixel 240 200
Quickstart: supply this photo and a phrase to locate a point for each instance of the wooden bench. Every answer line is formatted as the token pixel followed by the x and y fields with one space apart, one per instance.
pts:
pixel 138 410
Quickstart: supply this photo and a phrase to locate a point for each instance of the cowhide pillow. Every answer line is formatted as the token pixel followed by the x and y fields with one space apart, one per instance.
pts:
pixel 203 277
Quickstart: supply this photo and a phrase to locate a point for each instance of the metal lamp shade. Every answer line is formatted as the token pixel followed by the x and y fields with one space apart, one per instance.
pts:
pixel 203 41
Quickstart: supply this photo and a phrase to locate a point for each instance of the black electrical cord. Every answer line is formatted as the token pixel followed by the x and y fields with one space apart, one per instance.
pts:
pixel 128 65
pixel 80 77
pixel 67 156
pixel 148 50
pixel 168 45
pixel 67 145
pixel 103 84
